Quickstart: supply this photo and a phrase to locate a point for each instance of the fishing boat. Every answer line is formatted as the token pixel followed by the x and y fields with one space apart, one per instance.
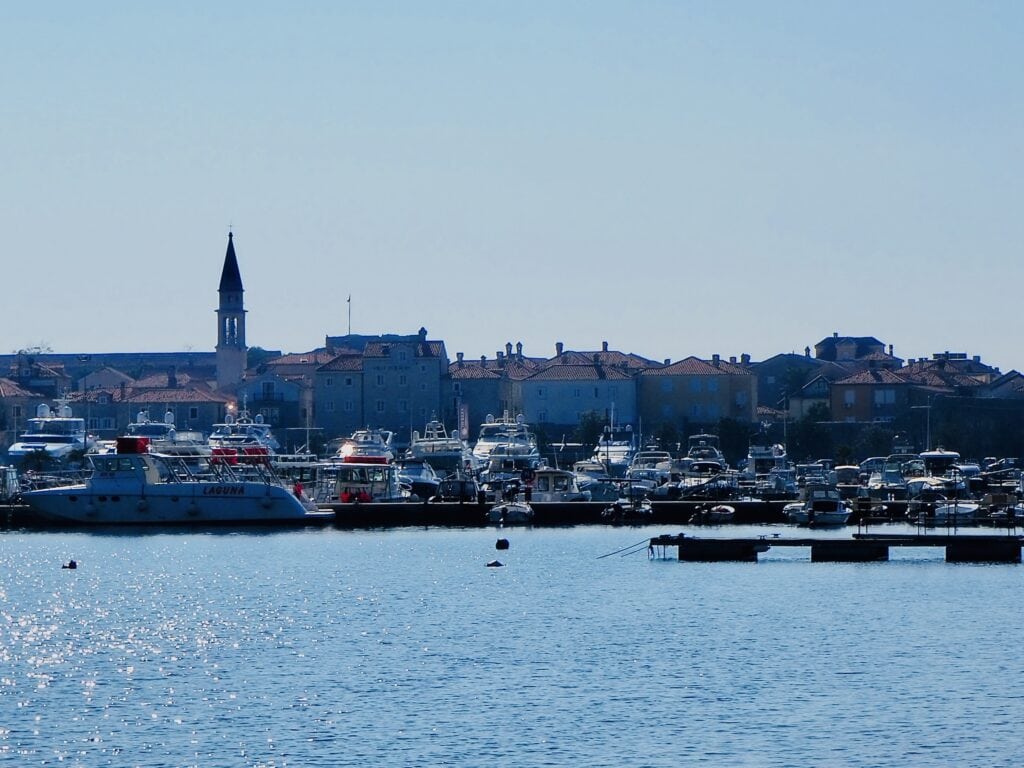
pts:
pixel 135 487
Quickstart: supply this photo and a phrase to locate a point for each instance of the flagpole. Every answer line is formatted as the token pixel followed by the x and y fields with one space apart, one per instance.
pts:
pixel 350 314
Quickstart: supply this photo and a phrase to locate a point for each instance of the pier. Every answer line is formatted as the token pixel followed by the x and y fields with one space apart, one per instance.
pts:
pixel 861 548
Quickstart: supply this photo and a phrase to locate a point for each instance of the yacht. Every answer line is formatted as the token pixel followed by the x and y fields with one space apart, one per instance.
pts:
pixel 705 448
pixel 446 452
pixel 513 436
pixel 367 443
pixel 136 487
pixel 53 432
pixel 165 438
pixel 242 434
pixel 615 454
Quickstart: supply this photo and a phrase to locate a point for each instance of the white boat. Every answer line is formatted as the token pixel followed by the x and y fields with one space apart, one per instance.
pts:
pixel 166 439
pixel 367 443
pixel 705 448
pixel 764 457
pixel 512 435
pixel 53 432
pixel 550 484
pixel 714 515
pixel 243 433
pixel 511 513
pixel 820 505
pixel 952 512
pixel 443 451
pixel 615 454
pixel 140 488
pixel 360 479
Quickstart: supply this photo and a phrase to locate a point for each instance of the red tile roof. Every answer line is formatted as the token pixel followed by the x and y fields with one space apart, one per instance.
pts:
pixel 694 366
pixel 579 373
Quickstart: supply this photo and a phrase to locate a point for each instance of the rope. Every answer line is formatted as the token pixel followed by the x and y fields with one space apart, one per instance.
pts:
pixel 617 551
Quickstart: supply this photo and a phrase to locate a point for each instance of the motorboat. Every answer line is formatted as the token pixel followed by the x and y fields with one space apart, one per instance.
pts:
pixel 419 476
pixel 136 487
pixel 714 514
pixel 512 435
pixel 764 457
pixel 165 438
pixel 446 452
pixel 614 454
pixel 628 511
pixel 512 512
pixel 54 433
pixel 550 484
pixel 820 505
pixel 367 443
pixel 242 432
pixel 593 478
pixel 360 479
pixel 705 448
pixel 951 512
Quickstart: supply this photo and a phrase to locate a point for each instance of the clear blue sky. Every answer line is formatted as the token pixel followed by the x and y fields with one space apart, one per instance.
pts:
pixel 675 178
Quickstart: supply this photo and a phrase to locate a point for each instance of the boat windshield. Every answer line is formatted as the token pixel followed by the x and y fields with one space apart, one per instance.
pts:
pixel 55 426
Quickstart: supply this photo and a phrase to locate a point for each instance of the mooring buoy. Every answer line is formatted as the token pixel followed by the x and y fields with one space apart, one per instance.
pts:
pixel 501 544
pixel 495 564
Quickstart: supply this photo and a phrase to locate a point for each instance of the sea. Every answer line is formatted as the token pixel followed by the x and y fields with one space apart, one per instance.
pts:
pixel 412 647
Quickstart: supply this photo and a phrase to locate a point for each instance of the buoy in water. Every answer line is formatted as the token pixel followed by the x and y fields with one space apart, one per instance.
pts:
pixel 501 544
pixel 495 564
pixel 70 564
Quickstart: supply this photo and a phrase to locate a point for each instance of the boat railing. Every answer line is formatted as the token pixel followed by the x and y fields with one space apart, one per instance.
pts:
pixel 32 481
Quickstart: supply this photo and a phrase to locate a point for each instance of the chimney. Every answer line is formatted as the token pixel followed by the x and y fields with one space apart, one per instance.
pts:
pixel 459 355
pixel 807 351
pixel 604 346
pixel 745 359
pixel 508 349
pixel 483 361
pixel 715 360
pixel 558 348
pixel 835 334
pixel 519 350
pixel 890 350
pixel 976 358
pixel 172 378
pixel 423 334
pixel 668 361
pixel 123 388
pixel 732 359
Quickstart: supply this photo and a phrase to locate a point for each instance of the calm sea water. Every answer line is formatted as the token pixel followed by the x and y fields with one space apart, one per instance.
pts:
pixel 331 648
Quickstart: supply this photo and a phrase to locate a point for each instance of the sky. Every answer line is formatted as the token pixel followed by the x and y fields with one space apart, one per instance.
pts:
pixel 673 178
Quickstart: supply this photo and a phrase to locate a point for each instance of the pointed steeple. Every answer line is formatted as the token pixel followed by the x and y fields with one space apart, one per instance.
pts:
pixel 230 277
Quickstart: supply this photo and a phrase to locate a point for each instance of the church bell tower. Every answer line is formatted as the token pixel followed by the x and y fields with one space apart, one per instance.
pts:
pixel 231 349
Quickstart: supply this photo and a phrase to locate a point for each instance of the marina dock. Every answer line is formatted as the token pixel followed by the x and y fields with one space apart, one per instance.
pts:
pixel 861 548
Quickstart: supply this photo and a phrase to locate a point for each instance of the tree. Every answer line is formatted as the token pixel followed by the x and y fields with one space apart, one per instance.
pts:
pixel 589 429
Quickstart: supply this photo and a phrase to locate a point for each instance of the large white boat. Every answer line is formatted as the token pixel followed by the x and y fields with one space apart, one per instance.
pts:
pixel 355 479
pixel 614 453
pixel 550 484
pixel 511 435
pixel 367 443
pixel 445 452
pixel 705 448
pixel 165 438
pixel 141 488
pixel 243 433
pixel 53 432
pixel 820 505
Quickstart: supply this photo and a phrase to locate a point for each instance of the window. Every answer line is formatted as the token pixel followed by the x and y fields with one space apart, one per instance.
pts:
pixel 348 381
pixel 330 382
pixel 329 406
pixel 423 387
pixel 268 390
pixel 193 413
pixel 849 397
pixel 576 392
pixel 380 406
pixel 349 406
pixel 695 411
pixel 402 355
pixel 380 379
pixel 885 397
pixel 542 416
pixel 403 406
pixel 540 392
pixel 596 394
pixel 457 388
pixel 403 380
